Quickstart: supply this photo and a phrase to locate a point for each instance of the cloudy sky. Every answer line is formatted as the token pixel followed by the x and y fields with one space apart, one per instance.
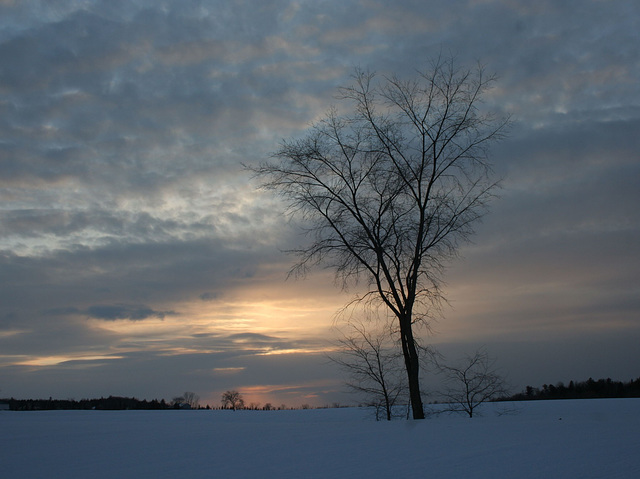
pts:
pixel 138 259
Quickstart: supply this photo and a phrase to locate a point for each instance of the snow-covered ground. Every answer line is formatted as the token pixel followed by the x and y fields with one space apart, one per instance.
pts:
pixel 544 439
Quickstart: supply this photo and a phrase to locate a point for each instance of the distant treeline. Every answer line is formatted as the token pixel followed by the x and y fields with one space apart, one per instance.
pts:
pixel 589 389
pixel 116 403
pixel 110 403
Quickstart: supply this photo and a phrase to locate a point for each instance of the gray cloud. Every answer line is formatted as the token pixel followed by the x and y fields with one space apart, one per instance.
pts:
pixel 130 312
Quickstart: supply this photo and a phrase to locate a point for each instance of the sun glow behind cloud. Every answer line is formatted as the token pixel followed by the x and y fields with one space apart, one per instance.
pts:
pixel 284 395
pixel 282 325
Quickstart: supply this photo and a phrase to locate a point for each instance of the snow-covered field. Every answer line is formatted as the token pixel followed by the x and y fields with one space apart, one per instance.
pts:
pixel 545 439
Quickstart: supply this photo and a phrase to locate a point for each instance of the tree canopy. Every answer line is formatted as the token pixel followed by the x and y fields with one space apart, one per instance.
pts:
pixel 389 189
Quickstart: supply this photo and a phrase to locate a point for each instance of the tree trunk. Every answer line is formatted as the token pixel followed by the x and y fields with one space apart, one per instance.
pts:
pixel 412 365
pixel 387 400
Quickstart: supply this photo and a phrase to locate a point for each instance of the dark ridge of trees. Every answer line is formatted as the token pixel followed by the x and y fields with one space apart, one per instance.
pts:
pixel 116 403
pixel 589 389
pixel 113 403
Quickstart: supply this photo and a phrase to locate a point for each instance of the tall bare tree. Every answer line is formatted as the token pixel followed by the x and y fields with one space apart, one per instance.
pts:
pixel 389 189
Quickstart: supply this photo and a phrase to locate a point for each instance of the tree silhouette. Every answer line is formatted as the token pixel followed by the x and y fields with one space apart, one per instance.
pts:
pixel 472 382
pixel 388 190
pixel 232 400
pixel 374 368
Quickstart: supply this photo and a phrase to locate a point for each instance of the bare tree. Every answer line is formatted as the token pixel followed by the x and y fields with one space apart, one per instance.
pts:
pixel 192 399
pixel 189 399
pixel 232 400
pixel 389 190
pixel 472 382
pixel 374 367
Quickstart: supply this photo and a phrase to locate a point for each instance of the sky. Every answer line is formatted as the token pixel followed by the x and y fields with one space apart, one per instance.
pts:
pixel 138 258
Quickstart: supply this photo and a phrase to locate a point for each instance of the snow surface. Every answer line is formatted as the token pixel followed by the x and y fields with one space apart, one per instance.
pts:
pixel 563 439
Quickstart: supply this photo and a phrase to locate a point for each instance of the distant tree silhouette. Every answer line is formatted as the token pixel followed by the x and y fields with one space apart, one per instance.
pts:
pixel 232 400
pixel 471 383
pixel 602 388
pixel 192 399
pixel 189 400
pixel 109 403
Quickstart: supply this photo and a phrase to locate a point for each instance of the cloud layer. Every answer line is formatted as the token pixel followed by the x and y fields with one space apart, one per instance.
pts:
pixel 136 253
